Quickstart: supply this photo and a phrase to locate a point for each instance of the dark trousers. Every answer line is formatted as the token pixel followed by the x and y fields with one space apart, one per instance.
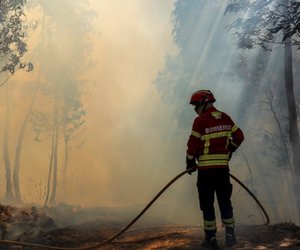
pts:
pixel 211 181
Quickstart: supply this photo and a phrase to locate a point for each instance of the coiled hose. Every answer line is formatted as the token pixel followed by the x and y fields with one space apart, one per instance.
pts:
pixel 40 246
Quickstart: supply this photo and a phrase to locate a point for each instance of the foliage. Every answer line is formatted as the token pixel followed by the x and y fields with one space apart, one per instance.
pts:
pixel 265 22
pixel 67 45
pixel 12 36
pixel 184 11
pixel 62 55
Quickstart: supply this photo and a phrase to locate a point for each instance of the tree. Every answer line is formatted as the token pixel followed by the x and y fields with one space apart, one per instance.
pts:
pixel 12 37
pixel 9 197
pixel 19 145
pixel 264 24
pixel 57 82
pixel 73 120
pixel 197 35
pixel 20 140
pixel 13 27
pixel 63 85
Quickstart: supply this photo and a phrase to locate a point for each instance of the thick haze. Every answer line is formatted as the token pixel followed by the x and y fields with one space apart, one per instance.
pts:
pixel 134 137
pixel 124 153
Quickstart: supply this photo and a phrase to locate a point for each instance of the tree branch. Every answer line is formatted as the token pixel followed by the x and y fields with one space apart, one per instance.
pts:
pixel 1 84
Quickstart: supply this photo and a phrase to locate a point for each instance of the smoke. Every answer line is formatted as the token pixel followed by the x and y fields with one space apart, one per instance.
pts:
pixel 209 59
pixel 125 115
pixel 137 82
pixel 123 155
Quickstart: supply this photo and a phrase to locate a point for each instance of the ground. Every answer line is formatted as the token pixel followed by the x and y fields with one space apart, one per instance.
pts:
pixel 37 226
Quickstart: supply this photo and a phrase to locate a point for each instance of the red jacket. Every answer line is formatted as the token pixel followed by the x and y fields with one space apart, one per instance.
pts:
pixel 214 136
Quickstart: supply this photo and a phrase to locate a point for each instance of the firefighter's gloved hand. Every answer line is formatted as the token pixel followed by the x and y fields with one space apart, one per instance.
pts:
pixel 231 149
pixel 192 170
pixel 191 163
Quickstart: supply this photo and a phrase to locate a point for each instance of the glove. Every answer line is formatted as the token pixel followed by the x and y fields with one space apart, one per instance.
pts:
pixel 191 163
pixel 231 149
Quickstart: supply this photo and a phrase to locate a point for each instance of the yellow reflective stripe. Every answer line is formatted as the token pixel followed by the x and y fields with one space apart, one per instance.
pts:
pixel 214 157
pixel 206 147
pixel 216 114
pixel 228 222
pixel 196 134
pixel 212 163
pixel 234 128
pixel 216 135
pixel 231 142
pixel 210 225
pixel 190 157
pixel 207 137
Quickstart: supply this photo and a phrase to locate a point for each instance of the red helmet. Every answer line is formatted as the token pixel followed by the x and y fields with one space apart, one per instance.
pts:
pixel 201 97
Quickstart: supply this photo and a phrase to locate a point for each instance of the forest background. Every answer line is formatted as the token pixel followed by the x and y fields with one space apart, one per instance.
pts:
pixel 94 101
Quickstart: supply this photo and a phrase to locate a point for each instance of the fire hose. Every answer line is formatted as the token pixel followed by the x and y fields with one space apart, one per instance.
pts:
pixel 40 246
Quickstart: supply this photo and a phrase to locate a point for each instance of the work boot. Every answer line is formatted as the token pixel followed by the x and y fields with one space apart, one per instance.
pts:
pixel 230 239
pixel 210 243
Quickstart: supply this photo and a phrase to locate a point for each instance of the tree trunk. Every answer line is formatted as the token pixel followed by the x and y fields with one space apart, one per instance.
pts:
pixel 66 154
pixel 19 148
pixel 55 165
pixel 292 111
pixel 292 115
pixel 50 168
pixel 9 197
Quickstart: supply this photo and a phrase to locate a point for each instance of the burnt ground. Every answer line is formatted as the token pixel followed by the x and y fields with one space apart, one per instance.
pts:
pixel 279 236
pixel 37 226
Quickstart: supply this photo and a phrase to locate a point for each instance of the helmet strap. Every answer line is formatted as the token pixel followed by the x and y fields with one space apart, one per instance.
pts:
pixel 204 107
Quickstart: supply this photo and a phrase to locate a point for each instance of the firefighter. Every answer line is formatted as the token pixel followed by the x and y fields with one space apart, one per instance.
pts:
pixel 213 139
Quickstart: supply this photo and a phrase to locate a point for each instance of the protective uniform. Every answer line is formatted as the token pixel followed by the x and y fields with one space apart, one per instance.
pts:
pixel 213 139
